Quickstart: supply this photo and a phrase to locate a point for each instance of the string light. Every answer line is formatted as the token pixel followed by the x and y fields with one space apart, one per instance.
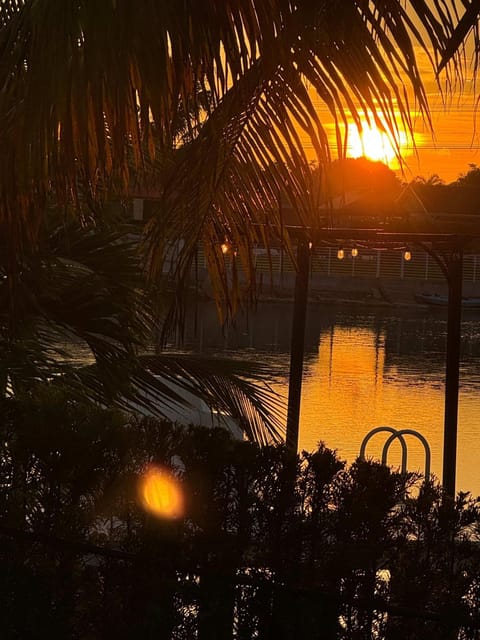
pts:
pixel 340 254
pixel 225 247
pixel 354 252
pixel 407 255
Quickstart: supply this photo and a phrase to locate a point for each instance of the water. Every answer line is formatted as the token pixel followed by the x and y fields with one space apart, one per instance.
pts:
pixel 363 368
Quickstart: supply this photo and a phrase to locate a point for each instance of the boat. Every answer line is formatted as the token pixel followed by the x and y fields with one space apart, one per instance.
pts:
pixel 440 300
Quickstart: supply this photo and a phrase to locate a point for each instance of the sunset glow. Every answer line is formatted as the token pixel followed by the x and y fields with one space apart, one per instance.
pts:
pixel 161 493
pixel 373 143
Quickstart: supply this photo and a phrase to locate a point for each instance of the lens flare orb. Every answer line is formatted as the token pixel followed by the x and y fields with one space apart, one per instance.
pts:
pixel 161 493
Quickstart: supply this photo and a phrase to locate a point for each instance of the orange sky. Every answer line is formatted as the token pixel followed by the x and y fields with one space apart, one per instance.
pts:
pixel 456 143
pixel 456 140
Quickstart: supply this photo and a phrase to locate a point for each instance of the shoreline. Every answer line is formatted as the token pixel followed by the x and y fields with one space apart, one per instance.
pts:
pixel 364 292
pixel 341 301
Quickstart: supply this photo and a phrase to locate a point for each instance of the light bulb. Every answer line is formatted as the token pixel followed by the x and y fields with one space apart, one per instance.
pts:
pixel 340 254
pixel 224 247
pixel 407 255
pixel 354 252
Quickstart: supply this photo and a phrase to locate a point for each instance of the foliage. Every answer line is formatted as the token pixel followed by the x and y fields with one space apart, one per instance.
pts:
pixel 81 297
pixel 92 97
pixel 357 174
pixel 81 287
pixel 469 179
pixel 204 106
pixel 343 552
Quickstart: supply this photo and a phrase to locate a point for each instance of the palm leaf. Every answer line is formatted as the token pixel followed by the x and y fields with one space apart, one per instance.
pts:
pixel 82 298
pixel 88 88
pixel 168 386
pixel 91 99
pixel 238 388
pixel 248 154
pixel 82 287
pixel 467 23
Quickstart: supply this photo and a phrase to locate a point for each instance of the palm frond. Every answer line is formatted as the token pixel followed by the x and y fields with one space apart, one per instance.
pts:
pixel 83 287
pixel 238 388
pixel 171 386
pixel 227 182
pixel 83 298
pixel 89 89
pixel 468 23
pixel 91 95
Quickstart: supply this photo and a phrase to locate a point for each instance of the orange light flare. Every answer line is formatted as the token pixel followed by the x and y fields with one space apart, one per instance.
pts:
pixel 161 493
pixel 375 144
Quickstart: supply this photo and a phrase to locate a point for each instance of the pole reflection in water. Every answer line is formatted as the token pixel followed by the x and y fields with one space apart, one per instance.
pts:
pixel 363 368
pixel 356 388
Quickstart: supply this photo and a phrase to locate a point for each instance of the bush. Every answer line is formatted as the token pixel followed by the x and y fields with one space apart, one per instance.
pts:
pixel 270 547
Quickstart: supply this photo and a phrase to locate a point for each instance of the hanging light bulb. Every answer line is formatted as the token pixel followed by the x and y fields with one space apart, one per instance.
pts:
pixel 340 254
pixel 354 252
pixel 225 247
pixel 407 255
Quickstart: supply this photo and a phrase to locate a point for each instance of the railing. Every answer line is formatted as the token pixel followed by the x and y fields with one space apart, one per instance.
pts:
pixel 398 434
pixel 368 263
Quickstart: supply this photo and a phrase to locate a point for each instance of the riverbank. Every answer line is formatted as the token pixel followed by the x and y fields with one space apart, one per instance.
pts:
pixel 363 291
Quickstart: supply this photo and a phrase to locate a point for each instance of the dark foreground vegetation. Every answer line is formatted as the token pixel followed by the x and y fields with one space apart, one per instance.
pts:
pixel 268 548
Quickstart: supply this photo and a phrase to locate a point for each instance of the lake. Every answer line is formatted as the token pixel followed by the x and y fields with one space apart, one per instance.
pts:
pixel 364 368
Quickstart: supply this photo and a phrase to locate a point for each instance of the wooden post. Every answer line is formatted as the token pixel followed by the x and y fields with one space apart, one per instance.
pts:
pixel 455 278
pixel 297 345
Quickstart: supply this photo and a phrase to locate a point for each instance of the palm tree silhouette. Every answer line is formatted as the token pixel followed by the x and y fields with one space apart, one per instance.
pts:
pixel 92 95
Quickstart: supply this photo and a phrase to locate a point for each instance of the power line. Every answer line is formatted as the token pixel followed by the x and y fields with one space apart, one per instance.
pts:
pixel 420 147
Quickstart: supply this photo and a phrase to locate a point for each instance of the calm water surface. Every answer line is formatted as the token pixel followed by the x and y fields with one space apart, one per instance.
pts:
pixel 363 368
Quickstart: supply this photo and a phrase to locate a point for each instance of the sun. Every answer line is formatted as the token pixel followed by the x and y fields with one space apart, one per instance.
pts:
pixel 373 143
